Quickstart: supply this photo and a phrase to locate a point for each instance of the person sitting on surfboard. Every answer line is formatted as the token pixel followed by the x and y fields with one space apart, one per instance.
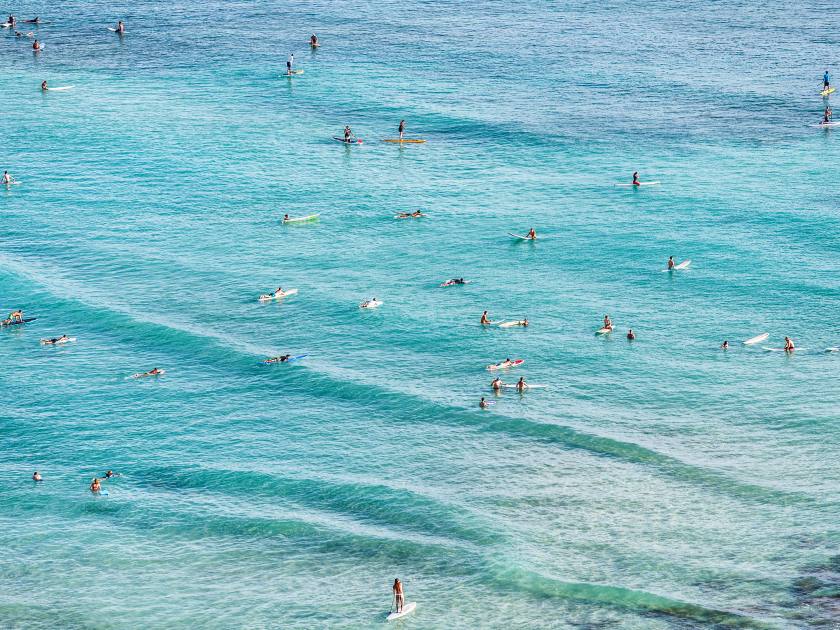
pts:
pixel 313 41
pixel 636 181
pixel 484 318
pixel 531 234
pixel 120 27
pixel 607 322
pixel 631 335
pixel 44 85
pixel 399 597
pixel 15 316
pixel 725 346
pixel 789 347
pixel 402 129
pixel 496 384
pixel 36 476
pixel 826 80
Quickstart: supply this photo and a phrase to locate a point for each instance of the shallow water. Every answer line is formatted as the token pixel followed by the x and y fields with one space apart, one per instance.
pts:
pixel 655 484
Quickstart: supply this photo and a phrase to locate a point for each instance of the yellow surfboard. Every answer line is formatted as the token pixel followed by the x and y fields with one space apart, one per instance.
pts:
pixel 827 92
pixel 405 140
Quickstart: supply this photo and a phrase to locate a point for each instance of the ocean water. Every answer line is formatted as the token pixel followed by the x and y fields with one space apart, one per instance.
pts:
pixel 657 484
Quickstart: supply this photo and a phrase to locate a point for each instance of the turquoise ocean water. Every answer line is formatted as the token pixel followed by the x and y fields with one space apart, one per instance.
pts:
pixel 656 484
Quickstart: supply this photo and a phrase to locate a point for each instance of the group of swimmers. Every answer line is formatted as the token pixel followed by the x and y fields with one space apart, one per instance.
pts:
pixel 95 484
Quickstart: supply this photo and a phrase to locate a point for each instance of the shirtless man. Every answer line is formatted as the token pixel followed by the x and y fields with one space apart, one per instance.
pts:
pixel 608 322
pixel 36 46
pixel 483 404
pixel 313 41
pixel 521 384
pixel 8 179
pixel 671 263
pixel 56 340
pixel 399 597
pixel 484 318
pixel 15 316
pixel 496 384
pixel 789 347
pixel 725 346
pixel 120 27
pixel 36 476
pixel 348 133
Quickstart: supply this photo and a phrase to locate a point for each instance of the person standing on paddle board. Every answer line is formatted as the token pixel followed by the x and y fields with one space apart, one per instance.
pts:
pixel 826 80
pixel 348 133
pixel 402 129
pixel 827 114
pixel 289 62
pixel 313 41
pixel 789 347
pixel 399 596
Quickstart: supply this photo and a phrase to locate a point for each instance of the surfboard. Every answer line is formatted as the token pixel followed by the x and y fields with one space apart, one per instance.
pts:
pixel 419 216
pixel 407 610
pixel 639 184
pixel 404 140
pixel 370 304
pixel 350 141
pixel 270 296
pixel 757 339
pixel 25 320
pixel 311 217
pixel 112 29
pixel 520 237
pixel 510 324
pixel 683 265
pixel 829 124
pixel 765 348
pixel 604 331
pixel 512 364
pixel 102 493
pixel 835 349
pixel 289 360
pixel 828 91
pixel 293 74
pixel 59 89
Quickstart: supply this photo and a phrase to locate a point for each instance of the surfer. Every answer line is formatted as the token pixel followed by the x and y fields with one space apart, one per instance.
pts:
pixel 12 20
pixel 281 359
pixel 285 217
pixel 348 133
pixel 521 384
pixel 497 384
pixel 725 346
pixel 152 372
pixel 484 318
pixel 36 476
pixel 15 317
pixel 608 322
pixel 483 404
pixel 289 63
pixel 789 347
pixel 826 81
pixel 399 598
pixel 120 27
pixel 402 129
pixel 631 335
pixel 36 46
pixel 44 85
pixel 55 340
pixel 7 179
pixel 95 486
pixel 827 114
pixel 671 263
pixel 313 41
pixel 35 20
pixel 636 181
pixel 110 474
pixel 532 234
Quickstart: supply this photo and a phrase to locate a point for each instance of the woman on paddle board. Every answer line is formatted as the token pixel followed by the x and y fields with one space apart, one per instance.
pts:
pixel 636 181
pixel 402 129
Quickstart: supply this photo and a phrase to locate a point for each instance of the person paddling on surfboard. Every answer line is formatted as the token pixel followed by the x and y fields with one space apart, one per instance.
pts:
pixel 402 129
pixel 399 596
pixel 484 318
pixel 636 181
pixel 789 347
pixel 532 234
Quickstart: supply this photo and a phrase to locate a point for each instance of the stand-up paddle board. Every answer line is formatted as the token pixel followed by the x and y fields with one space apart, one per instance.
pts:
pixel 266 297
pixel 293 73
pixel 757 339
pixel 520 237
pixel 829 124
pixel 350 141
pixel 404 140
pixel 406 610
pixel 311 217
pixel 639 184
pixel 604 331
pixel 828 91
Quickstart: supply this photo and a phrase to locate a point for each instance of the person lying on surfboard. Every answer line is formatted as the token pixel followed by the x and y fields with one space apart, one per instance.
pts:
pixel 789 347
pixel 280 359
pixel 35 20
pixel 454 281
pixel 522 322
pixel 485 319
pixel 636 181
pixel 152 372
pixel 55 340
pixel 531 234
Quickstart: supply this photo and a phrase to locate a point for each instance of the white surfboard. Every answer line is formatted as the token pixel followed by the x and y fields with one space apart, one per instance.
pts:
pixel 406 610
pixel 371 304
pixel 48 342
pixel 60 89
pixel 683 265
pixel 520 237
pixel 765 348
pixel 829 124
pixel 272 296
pixel 835 349
pixel 510 324
pixel 604 331
pixel 757 339
pixel 639 184
pixel 310 217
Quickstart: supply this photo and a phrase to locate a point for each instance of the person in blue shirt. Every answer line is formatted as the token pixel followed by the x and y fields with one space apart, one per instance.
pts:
pixel 826 80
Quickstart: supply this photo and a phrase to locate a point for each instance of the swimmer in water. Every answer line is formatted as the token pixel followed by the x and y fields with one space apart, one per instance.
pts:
pixel 631 335
pixel 36 476
pixel 483 404
pixel 36 46
pixel 671 263
pixel 120 27
pixel 497 384
pixel 95 486
pixel 521 384
pixel 8 179
pixel 44 85
pixel 313 41
pixel 725 346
